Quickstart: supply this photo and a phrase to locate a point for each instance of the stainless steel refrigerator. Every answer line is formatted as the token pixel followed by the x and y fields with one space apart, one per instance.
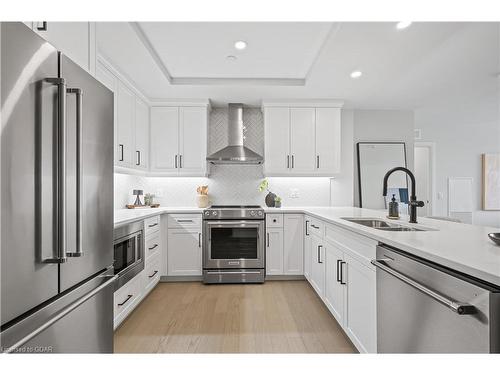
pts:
pixel 57 200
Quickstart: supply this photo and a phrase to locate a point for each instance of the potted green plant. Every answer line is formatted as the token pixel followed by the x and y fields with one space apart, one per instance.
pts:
pixel 277 202
pixel 264 186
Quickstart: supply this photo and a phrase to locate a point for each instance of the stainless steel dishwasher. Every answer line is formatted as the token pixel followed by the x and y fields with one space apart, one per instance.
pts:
pixel 425 308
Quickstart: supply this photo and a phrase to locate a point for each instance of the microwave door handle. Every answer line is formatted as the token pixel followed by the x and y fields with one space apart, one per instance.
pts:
pixel 79 176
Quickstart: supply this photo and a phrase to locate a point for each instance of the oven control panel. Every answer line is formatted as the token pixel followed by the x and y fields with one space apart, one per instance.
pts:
pixel 234 213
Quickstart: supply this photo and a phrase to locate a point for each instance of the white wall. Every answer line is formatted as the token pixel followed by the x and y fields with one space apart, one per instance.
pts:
pixel 343 183
pixel 382 125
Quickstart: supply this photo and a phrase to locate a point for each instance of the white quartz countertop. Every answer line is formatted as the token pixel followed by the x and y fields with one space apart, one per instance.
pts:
pixel 462 247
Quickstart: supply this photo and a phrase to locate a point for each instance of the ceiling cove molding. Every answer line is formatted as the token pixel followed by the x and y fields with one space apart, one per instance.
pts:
pixel 210 81
pixel 329 35
pixel 151 50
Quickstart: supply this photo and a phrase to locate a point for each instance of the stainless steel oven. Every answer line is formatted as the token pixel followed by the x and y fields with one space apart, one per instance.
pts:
pixel 128 252
pixel 233 245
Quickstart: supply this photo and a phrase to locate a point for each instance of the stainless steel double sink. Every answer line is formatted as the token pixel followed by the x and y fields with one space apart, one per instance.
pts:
pixel 385 225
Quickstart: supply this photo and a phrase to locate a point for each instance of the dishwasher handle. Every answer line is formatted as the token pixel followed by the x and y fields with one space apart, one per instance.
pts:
pixel 459 307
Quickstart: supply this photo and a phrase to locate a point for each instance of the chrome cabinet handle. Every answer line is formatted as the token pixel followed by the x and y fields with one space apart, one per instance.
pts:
pixel 319 254
pixel 153 247
pixel 152 225
pixel 199 239
pixel 317 161
pixel 43 27
pixel 267 239
pixel 342 273
pixel 175 162
pixel 338 272
pixel 79 176
pixel 307 224
pixel 180 161
pixel 288 161
pixel 459 307
pixel 153 275
pixel 293 161
pixel 126 300
pixel 138 159
pixel 60 202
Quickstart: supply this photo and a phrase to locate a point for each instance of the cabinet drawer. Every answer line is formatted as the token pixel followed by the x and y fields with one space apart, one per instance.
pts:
pixel 316 227
pixel 151 273
pixel 363 248
pixel 152 225
pixel 153 245
pixel 125 297
pixel 184 220
pixel 274 220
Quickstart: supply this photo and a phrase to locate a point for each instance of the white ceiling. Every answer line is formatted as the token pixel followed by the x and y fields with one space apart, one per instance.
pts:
pixel 401 68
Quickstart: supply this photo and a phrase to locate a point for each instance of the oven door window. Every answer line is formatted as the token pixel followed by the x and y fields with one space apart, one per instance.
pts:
pixel 234 243
pixel 125 254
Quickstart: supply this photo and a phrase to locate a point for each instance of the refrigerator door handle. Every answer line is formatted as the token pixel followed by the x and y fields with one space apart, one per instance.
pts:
pixel 61 314
pixel 79 176
pixel 60 241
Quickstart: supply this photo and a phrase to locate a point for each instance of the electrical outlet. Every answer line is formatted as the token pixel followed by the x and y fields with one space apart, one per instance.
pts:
pixel 440 195
pixel 294 193
pixel 159 193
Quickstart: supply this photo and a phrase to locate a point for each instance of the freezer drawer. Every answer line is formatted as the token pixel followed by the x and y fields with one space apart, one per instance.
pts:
pixel 425 308
pixel 80 321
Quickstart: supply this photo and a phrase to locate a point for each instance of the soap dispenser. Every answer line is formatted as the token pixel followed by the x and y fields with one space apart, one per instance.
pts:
pixel 393 208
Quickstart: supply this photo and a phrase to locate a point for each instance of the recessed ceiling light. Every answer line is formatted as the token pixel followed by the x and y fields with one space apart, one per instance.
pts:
pixel 356 74
pixel 231 58
pixel 240 44
pixel 403 25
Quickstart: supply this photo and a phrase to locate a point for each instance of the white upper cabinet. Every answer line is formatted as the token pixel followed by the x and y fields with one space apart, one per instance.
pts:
pixel 179 140
pixel 125 120
pixel 277 140
pixel 328 141
pixel 141 134
pixel 75 39
pixel 302 139
pixel 192 140
pixel 164 139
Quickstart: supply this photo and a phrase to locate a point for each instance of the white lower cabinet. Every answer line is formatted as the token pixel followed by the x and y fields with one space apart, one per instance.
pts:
pixel 184 246
pixel 274 251
pixel 151 273
pixel 334 287
pixel 317 279
pixel 307 249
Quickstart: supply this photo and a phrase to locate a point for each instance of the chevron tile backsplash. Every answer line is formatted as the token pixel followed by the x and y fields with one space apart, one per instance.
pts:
pixel 228 184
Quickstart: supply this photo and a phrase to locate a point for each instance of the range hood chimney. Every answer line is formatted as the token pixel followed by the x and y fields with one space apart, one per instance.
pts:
pixel 235 152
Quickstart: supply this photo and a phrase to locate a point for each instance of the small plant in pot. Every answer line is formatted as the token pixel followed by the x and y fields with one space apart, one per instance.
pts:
pixel 277 202
pixel 270 197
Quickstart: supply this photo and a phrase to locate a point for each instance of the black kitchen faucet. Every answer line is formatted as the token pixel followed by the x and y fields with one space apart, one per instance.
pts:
pixel 413 198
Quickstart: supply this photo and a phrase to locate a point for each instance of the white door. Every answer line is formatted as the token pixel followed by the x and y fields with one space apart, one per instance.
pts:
pixel 183 252
pixel 125 126
pixel 293 249
pixel 361 308
pixel 302 140
pixel 307 249
pixel 277 140
pixel 334 290
pixel 328 140
pixel 141 134
pixel 164 139
pixel 71 38
pixel 192 140
pixel 423 179
pixel 317 265
pixel 274 251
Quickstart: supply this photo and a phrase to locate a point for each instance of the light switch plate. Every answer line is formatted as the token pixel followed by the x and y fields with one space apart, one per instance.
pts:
pixel 294 193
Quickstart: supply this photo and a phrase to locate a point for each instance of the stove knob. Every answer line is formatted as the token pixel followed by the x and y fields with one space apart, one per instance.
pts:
pixel 207 213
pixel 214 213
pixel 260 213
pixel 252 213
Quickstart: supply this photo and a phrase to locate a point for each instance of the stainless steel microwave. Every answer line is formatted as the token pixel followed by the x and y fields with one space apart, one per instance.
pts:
pixel 128 252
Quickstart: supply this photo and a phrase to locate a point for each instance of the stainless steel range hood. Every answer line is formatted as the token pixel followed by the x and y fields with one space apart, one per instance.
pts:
pixel 235 152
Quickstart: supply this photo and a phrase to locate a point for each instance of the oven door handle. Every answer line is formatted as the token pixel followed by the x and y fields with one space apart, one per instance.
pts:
pixel 458 307
pixel 231 223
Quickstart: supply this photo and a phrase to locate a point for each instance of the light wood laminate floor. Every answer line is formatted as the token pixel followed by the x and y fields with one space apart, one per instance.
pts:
pixel 274 317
